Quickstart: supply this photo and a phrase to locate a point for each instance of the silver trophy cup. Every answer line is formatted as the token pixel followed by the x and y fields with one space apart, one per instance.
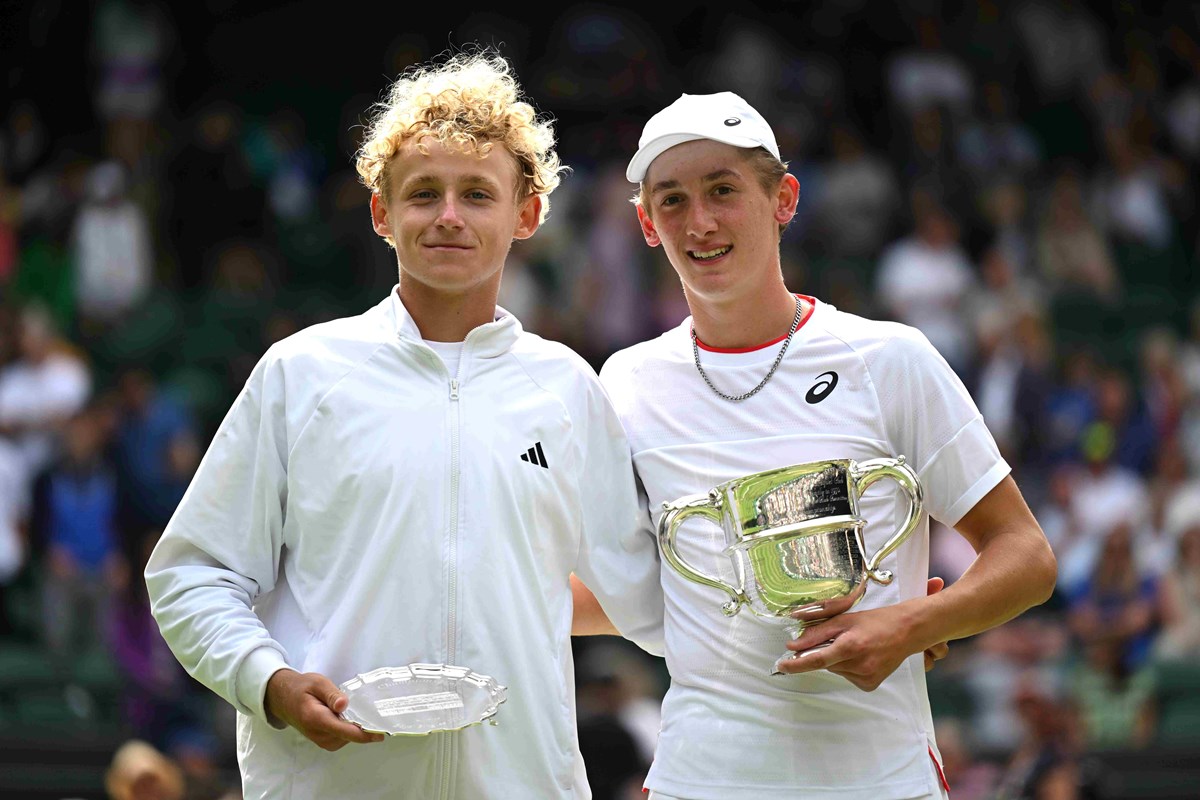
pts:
pixel 795 535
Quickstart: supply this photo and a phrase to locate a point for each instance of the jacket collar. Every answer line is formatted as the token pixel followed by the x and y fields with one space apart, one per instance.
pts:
pixel 487 341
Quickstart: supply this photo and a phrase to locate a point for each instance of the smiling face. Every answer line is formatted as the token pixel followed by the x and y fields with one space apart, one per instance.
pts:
pixel 453 216
pixel 704 202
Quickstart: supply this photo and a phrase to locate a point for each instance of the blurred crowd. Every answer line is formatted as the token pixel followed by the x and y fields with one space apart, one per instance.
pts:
pixel 1017 180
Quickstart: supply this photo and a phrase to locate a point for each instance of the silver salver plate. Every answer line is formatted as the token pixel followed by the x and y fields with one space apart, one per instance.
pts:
pixel 420 699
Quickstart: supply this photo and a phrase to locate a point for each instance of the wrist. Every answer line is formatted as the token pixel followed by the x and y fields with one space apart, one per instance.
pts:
pixel 253 683
pixel 919 623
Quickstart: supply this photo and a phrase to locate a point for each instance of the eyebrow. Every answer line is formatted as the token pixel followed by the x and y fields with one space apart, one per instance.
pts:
pixel 470 180
pixel 710 177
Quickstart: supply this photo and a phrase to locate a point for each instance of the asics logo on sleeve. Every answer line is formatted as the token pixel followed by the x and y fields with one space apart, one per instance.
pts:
pixel 823 388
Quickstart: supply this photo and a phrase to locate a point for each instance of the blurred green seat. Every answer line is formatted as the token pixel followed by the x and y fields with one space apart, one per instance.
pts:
pixel 47 707
pixel 149 335
pixel 96 671
pixel 1177 688
pixel 26 665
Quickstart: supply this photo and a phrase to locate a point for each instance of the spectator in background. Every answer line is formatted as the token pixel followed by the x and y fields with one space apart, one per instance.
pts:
pixel 1002 210
pixel 858 201
pixel 1162 382
pixel 112 249
pixel 1056 512
pixel 211 163
pixel 615 761
pixel 970 776
pixel 1046 765
pixel 1063 47
pixel 155 449
pixel 46 384
pixel 1072 403
pixel 1116 603
pixel 1119 405
pixel 24 141
pixel 1189 367
pixel 930 75
pixel 1104 495
pixel 1072 254
pixel 10 211
pixel 1131 196
pixel 139 771
pixel 76 519
pixel 924 154
pixel 161 702
pixel 1179 587
pixel 131 41
pixel 925 278
pixel 997 663
pixel 1009 378
pixel 14 524
pixel 616 295
pixel 996 146
pixel 1113 700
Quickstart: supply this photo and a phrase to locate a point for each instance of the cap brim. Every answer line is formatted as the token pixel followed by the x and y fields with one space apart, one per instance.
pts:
pixel 639 165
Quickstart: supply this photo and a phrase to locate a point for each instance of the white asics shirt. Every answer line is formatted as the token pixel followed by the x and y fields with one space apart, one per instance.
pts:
pixel 848 387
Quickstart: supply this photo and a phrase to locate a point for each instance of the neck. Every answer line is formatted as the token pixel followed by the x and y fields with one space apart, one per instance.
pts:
pixel 739 324
pixel 442 317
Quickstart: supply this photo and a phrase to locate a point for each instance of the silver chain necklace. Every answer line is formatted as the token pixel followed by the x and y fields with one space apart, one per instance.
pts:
pixel 739 398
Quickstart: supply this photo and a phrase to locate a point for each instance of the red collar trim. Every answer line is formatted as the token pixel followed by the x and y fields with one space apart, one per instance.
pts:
pixel 812 304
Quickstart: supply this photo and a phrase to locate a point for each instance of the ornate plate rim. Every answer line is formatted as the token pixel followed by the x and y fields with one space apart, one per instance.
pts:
pixel 496 691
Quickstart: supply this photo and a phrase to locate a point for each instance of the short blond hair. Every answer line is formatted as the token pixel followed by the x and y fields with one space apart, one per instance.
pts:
pixel 472 101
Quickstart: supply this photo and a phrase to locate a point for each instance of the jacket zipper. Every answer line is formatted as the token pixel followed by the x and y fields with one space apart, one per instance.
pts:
pixel 452 574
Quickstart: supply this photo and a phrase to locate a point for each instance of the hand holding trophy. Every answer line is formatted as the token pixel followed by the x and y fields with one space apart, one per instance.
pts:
pixel 795 535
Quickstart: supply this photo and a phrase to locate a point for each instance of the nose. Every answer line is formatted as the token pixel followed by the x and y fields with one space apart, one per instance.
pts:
pixel 700 220
pixel 448 216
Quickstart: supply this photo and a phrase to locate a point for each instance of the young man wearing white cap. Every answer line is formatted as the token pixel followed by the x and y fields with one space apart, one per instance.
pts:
pixel 759 377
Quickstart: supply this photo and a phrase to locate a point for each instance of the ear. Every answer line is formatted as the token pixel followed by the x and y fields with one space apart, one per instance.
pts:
pixel 648 229
pixel 529 217
pixel 379 216
pixel 787 199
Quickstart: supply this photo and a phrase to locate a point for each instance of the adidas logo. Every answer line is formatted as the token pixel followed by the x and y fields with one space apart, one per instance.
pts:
pixel 534 455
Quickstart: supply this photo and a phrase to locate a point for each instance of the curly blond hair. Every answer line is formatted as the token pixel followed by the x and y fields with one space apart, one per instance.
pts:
pixel 472 101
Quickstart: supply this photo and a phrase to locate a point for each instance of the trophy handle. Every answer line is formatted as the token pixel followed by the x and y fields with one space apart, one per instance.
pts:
pixel 866 473
pixel 708 506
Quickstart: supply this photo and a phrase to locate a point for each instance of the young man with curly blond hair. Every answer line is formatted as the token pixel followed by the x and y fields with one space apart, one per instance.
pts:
pixel 417 484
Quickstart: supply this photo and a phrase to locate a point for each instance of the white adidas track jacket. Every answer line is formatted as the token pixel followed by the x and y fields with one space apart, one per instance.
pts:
pixel 359 507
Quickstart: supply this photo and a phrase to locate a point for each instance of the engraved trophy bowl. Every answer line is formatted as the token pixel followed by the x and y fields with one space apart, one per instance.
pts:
pixel 795 535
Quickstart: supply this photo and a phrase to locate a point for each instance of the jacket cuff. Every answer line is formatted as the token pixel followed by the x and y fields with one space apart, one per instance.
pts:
pixel 251 686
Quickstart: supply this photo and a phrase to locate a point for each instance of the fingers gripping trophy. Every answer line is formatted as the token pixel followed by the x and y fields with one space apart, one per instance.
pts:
pixel 795 536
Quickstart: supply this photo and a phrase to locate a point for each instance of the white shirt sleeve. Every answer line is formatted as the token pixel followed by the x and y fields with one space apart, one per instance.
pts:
pixel 222 547
pixel 934 423
pixel 618 555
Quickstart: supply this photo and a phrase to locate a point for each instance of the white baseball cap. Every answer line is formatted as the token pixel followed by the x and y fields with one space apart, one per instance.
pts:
pixel 722 117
